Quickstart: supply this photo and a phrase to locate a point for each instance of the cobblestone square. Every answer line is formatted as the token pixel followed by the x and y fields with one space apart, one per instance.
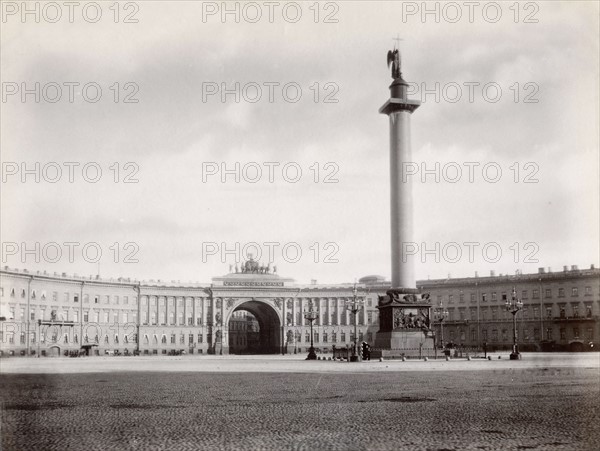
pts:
pixel 507 406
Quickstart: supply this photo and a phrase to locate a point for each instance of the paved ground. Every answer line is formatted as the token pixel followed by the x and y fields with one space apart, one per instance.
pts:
pixel 506 405
pixel 289 363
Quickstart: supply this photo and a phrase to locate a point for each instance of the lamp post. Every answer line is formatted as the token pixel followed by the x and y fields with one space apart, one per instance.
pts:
pixel 440 315
pixel 354 306
pixel 311 316
pixel 513 306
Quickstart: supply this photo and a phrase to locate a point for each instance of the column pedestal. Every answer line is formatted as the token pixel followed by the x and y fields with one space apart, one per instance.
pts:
pixel 404 325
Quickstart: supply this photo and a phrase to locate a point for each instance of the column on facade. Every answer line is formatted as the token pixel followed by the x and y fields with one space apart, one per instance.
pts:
pixel 364 311
pixel 167 310
pixel 194 300
pixel 293 312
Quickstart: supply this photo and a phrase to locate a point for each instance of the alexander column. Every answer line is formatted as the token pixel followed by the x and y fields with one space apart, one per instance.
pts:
pixel 404 313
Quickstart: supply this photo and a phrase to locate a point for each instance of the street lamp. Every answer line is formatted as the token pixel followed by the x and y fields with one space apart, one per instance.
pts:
pixel 354 306
pixel 311 315
pixel 440 314
pixel 513 306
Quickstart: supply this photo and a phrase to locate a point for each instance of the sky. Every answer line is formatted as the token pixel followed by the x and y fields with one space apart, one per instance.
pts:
pixel 164 138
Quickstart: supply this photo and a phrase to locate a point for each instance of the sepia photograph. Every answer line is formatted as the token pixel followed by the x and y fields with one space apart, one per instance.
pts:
pixel 300 225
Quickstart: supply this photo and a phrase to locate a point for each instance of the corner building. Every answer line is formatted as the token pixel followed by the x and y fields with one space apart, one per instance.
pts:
pixel 54 314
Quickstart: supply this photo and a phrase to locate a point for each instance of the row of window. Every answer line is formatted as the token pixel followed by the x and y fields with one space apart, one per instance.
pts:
pixel 495 313
pixel 67 297
pixel 506 334
pixel 64 315
pixel 493 296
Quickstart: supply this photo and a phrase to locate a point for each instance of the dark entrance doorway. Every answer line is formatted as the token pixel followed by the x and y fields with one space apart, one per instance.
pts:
pixel 254 328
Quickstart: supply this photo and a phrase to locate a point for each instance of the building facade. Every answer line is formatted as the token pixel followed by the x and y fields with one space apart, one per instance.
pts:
pixel 54 314
pixel 560 312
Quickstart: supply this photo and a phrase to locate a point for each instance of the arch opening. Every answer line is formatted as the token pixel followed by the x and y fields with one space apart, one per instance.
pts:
pixel 254 328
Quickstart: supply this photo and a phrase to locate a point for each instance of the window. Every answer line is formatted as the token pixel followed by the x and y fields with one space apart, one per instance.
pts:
pixel 574 291
pixel 484 297
pixel 76 316
pixel 473 335
pixel 107 299
pixel 334 337
pixel 306 337
pixel 106 339
pixel 32 316
pixel 549 334
pixel 22 338
pixel 116 339
pixel 536 334
pixel 125 299
pixel 548 292
pixel 524 294
pixel 526 334
pixel 450 299
pixel 23 293
pixel 106 319
pixel 199 338
pixel 182 339
pixel 325 337
pixel 589 333
pixel 504 335
pixel 360 336
pixel 494 297
pixel 576 332
pixel 472 297
pixel 75 298
pixel 369 317
pixel 343 337
pixel 548 312
pixel 125 317
pixel 588 310
pixel 563 313
pixel 563 333
pixel 173 339
pixel 525 312
pixel 576 311
pixel 96 299
pixel 461 297
pixel 536 312
pixel 163 340
pixel 494 313
pixel 316 338
pixel 190 321
pixel 115 317
pixel 561 292
pixel 536 294
pixel 588 291
pixel 369 337
pixel 86 317
pixel 33 294
pixel 484 335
